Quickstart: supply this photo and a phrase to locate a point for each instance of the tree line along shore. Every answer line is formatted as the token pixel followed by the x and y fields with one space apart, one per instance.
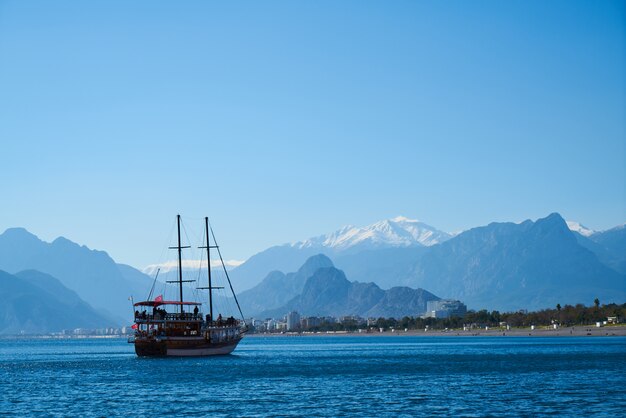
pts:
pixel 580 319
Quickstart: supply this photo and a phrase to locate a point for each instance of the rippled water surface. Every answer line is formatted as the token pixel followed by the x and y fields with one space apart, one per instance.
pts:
pixel 320 376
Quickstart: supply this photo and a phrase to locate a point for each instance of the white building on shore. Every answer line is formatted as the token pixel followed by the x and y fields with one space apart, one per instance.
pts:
pixel 293 321
pixel 444 308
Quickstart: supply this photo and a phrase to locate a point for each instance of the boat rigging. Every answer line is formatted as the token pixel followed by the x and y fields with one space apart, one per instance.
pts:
pixel 187 333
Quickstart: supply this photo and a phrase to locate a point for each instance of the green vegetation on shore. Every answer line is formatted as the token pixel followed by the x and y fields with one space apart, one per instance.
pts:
pixel 567 315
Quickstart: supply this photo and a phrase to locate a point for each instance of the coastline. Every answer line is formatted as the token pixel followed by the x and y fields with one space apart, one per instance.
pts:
pixel 575 331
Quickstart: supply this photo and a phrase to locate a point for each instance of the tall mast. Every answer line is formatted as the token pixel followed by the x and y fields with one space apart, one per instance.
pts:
pixel 208 262
pixel 180 265
pixel 208 258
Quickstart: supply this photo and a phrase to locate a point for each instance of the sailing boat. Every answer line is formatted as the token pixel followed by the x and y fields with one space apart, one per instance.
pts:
pixel 186 332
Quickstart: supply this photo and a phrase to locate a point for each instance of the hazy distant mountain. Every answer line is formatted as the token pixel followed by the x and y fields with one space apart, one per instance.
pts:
pixel 511 266
pixel 502 266
pixel 281 258
pixel 387 267
pixel 328 292
pixel 34 302
pixel 278 288
pixel 191 268
pixel 340 245
pixel 613 239
pixel 92 274
pixel 401 252
pixel 401 301
pixel 610 246
pixel 134 276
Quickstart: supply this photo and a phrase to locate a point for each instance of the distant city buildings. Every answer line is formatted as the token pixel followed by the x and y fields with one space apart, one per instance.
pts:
pixel 293 321
pixel 89 332
pixel 351 318
pixel 310 322
pixel 256 323
pixel 444 308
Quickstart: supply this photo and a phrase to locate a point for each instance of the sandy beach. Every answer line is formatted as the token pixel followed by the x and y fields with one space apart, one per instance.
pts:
pixel 576 331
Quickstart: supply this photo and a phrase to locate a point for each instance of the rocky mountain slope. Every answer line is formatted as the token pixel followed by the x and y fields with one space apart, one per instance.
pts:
pixel 327 292
pixel 34 302
pixel 344 246
pixel 92 274
pixel 509 266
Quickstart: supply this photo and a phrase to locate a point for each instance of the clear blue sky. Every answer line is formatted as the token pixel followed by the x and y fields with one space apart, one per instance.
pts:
pixel 285 120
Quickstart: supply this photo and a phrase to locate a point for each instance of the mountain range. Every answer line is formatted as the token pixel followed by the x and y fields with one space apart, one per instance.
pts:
pixel 320 289
pixel 510 266
pixel 609 246
pixel 34 302
pixel 396 232
pixel 278 288
pixel 350 247
pixel 92 274
pixel 504 266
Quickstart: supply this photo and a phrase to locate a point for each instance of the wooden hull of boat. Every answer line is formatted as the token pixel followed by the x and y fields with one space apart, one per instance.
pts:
pixel 183 347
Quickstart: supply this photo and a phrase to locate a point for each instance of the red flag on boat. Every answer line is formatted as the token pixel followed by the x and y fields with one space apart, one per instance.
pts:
pixel 159 298
pixel 135 326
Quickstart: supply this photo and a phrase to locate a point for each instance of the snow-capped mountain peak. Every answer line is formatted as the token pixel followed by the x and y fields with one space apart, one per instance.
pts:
pixel 581 229
pixel 396 232
pixel 403 219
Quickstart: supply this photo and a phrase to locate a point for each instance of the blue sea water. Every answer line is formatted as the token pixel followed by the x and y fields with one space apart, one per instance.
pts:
pixel 320 376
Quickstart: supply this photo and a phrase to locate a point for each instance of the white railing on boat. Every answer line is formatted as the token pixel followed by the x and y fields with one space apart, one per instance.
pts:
pixel 144 317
